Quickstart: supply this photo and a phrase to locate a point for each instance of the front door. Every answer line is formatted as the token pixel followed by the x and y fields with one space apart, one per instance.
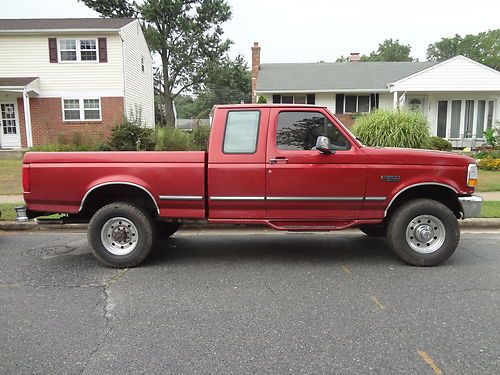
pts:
pixel 417 104
pixel 303 184
pixel 10 136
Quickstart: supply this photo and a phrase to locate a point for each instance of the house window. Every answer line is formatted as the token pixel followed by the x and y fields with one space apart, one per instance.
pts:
pixel 77 50
pixel 294 99
pixel 82 109
pixel 355 103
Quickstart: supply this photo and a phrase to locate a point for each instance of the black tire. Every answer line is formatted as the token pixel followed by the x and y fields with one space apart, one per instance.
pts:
pixel 165 229
pixel 121 235
pixel 376 230
pixel 423 232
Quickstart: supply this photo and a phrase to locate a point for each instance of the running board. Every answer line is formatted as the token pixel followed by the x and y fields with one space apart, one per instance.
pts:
pixel 310 226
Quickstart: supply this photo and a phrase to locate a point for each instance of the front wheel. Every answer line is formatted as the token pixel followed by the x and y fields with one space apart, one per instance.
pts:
pixel 121 235
pixel 423 232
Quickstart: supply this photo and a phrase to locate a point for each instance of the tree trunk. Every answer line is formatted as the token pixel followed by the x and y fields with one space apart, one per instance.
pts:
pixel 169 110
pixel 167 95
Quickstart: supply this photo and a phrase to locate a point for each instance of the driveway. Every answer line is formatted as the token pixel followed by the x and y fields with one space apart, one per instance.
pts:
pixel 259 302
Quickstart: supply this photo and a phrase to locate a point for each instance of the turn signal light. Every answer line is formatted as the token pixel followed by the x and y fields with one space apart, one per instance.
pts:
pixel 472 175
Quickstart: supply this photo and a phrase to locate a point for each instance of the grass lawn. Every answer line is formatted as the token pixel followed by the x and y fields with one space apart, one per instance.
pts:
pixel 488 181
pixel 490 209
pixel 10 176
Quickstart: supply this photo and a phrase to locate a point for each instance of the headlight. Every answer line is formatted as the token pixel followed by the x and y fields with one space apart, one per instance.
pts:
pixel 472 175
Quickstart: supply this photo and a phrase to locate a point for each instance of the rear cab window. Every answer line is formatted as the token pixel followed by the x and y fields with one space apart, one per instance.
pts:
pixel 241 132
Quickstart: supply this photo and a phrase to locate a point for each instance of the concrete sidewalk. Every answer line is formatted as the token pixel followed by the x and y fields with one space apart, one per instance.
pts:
pixel 489 196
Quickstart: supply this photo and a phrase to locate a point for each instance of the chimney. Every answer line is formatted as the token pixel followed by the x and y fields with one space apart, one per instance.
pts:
pixel 354 57
pixel 255 69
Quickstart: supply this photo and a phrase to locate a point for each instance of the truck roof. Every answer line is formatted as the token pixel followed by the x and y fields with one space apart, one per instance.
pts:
pixel 261 105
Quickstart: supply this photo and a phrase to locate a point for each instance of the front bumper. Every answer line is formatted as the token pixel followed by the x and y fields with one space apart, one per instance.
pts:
pixel 471 206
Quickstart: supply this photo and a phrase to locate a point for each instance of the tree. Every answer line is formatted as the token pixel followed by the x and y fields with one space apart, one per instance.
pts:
pixel 390 50
pixel 186 34
pixel 483 47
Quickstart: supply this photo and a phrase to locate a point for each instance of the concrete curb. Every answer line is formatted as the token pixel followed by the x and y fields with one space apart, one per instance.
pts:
pixel 34 226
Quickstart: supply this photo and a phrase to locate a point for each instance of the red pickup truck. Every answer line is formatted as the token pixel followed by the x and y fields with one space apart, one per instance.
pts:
pixel 294 168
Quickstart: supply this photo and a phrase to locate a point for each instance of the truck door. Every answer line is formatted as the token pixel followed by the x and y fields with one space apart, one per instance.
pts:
pixel 236 163
pixel 304 184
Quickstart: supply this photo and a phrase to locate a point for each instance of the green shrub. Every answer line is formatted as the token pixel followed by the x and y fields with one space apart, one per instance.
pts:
pixel 171 139
pixel 200 137
pixel 131 136
pixel 437 143
pixel 393 129
pixel 58 147
pixel 492 136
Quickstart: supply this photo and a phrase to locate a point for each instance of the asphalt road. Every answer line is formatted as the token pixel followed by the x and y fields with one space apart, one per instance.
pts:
pixel 253 303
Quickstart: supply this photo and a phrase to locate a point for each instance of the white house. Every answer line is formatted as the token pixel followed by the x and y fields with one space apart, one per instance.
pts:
pixel 71 79
pixel 459 96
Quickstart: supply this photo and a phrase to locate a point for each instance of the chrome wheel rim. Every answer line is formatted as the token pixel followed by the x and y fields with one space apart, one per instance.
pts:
pixel 119 236
pixel 425 234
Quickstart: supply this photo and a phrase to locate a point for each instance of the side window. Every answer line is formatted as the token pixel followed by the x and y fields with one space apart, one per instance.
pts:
pixel 242 128
pixel 299 131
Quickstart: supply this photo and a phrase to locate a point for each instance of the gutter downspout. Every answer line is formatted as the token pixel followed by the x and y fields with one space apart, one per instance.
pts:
pixel 27 118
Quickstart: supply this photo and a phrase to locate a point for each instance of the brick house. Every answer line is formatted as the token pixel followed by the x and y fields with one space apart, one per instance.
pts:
pixel 62 79
pixel 459 97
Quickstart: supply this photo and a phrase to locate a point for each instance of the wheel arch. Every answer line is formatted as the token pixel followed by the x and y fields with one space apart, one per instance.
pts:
pixel 100 195
pixel 440 192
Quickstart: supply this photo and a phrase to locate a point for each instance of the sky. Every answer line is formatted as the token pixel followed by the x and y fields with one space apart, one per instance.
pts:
pixel 317 30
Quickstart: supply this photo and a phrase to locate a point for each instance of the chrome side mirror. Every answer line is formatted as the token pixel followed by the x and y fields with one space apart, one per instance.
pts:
pixel 323 145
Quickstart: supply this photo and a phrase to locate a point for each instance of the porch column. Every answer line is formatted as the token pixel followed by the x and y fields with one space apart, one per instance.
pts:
pixel 27 118
pixel 395 100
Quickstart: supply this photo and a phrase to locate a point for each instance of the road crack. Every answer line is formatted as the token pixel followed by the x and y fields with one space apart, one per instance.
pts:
pixel 107 307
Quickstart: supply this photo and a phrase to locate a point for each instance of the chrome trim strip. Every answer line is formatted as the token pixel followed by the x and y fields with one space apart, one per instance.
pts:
pixel 118 183
pixel 414 185
pixel 181 197
pixel 315 198
pixel 375 199
pixel 237 198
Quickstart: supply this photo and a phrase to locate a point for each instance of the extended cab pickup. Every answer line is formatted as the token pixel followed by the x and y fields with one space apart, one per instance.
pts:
pixel 294 168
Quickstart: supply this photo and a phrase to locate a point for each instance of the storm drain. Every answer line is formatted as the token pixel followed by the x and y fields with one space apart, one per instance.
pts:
pixel 49 251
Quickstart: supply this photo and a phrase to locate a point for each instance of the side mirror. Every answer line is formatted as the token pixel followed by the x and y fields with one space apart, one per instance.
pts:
pixel 323 145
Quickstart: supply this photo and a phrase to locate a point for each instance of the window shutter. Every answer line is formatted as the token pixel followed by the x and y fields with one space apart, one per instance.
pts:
pixel 103 50
pixel 311 99
pixel 276 99
pixel 53 50
pixel 374 101
pixel 339 103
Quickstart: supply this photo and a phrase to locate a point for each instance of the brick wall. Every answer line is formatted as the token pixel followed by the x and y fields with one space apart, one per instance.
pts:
pixel 48 126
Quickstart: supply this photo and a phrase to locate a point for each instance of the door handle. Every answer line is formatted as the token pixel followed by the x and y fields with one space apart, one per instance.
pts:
pixel 278 159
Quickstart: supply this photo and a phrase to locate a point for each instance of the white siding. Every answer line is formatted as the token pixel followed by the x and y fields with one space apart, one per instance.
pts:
pixel 327 100
pixel 139 92
pixel 28 56
pixel 456 74
pixel 385 101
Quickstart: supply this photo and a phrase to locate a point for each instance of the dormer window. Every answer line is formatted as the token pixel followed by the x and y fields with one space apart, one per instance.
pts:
pixel 77 50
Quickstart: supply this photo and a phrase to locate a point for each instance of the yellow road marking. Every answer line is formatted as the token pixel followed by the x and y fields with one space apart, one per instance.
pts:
pixel 118 276
pixel 345 269
pixel 377 302
pixel 430 362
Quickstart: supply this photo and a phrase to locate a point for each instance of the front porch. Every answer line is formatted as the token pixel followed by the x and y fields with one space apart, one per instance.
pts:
pixel 13 128
pixel 459 117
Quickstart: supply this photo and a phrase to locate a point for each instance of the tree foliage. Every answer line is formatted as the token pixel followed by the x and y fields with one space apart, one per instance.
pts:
pixel 390 50
pixel 483 47
pixel 186 34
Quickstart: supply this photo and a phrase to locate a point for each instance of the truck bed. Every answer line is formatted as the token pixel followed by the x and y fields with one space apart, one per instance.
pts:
pixel 60 181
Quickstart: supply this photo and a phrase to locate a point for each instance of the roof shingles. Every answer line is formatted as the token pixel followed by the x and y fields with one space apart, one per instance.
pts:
pixel 34 24
pixel 334 76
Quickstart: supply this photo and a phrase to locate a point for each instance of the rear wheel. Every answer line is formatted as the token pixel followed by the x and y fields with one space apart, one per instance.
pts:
pixel 377 230
pixel 121 235
pixel 423 232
